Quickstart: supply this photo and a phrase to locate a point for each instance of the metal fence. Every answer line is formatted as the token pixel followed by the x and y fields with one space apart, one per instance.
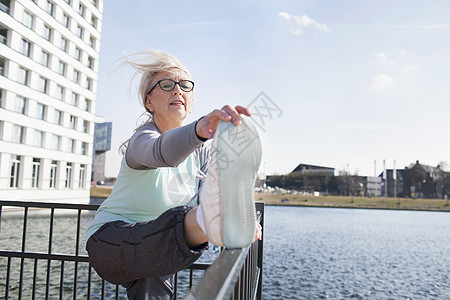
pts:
pixel 57 266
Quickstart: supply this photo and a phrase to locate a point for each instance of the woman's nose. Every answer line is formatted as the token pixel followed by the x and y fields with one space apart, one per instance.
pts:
pixel 177 89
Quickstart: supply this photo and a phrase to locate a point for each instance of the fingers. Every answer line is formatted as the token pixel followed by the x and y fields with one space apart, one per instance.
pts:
pixel 207 125
pixel 258 235
pixel 243 110
pixel 235 112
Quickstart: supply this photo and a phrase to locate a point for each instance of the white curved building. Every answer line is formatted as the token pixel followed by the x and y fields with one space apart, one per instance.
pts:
pixel 49 53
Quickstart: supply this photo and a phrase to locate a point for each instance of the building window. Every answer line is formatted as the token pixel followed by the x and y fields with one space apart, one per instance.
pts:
pixel 2 66
pixel 43 85
pixel 14 171
pixel 70 146
pixel 53 170
pixel 50 8
pixel 40 111
pixel 94 2
pixel 87 105
pixel 75 97
pixel 1 101
pixel 73 122
pixel 93 21
pixel 84 148
pixel 55 142
pixel 58 117
pixel 88 84
pixel 62 68
pixel 23 76
pixel 67 1
pixel 80 32
pixel 85 126
pixel 20 105
pixel 36 166
pixel 90 63
pixel 28 19
pixel 3 34
pixel 82 10
pixel 45 59
pixel 4 7
pixel 60 92
pixel 77 54
pixel 82 176
pixel 18 134
pixel 47 34
pixel 38 138
pixel 92 42
pixel 65 20
pixel 26 48
pixel 76 76
pixel 68 180
pixel 64 44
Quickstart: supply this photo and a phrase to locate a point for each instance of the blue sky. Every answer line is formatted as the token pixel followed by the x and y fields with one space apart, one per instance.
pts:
pixel 349 81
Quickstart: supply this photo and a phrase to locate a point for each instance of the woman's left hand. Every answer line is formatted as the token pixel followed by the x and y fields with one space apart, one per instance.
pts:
pixel 258 232
pixel 206 126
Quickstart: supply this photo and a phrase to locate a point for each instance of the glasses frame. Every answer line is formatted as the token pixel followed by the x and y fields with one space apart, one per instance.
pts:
pixel 175 83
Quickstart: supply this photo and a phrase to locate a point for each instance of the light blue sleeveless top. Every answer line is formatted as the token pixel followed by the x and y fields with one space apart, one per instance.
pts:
pixel 143 195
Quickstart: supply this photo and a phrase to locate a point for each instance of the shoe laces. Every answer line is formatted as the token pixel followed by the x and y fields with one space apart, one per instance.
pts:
pixel 202 176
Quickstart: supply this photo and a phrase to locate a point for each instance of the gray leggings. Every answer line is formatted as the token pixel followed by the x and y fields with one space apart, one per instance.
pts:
pixel 143 257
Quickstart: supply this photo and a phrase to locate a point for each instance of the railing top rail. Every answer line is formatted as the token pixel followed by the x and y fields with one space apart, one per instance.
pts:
pixel 220 278
pixel 49 205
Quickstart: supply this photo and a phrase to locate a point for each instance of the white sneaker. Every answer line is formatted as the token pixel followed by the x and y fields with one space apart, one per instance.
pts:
pixel 227 194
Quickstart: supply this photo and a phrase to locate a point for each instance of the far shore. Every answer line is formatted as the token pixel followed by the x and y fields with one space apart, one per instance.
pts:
pixel 330 201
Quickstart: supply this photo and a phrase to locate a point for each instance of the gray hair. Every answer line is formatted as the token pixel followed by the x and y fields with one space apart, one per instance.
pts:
pixel 146 65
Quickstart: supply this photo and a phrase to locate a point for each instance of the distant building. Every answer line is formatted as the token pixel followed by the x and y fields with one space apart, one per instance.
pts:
pixel 49 53
pixel 422 181
pixel 311 169
pixel 102 143
pixel 393 186
pixel 373 188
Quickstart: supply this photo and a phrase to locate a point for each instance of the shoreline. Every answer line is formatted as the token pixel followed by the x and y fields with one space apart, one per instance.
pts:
pixel 434 205
pixel 324 205
pixel 440 205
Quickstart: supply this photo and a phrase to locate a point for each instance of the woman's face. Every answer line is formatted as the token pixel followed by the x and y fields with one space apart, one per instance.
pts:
pixel 173 106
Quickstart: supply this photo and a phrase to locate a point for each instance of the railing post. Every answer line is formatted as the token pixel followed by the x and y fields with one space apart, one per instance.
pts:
pixel 260 208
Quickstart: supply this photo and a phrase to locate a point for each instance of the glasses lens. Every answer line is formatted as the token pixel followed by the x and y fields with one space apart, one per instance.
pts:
pixel 167 85
pixel 186 85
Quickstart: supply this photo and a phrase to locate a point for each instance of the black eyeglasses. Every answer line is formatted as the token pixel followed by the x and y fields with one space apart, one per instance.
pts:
pixel 168 85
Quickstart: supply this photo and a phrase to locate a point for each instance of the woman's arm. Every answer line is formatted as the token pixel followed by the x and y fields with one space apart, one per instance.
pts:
pixel 149 149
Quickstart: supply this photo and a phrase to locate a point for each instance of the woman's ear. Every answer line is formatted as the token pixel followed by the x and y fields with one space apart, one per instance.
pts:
pixel 148 104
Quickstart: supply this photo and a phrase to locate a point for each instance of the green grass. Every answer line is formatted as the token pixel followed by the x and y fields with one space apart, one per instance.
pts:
pixel 329 201
pixel 100 191
pixel 354 202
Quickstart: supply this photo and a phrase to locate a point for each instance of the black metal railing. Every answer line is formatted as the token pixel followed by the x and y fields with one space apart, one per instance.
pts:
pixel 235 274
pixel 40 262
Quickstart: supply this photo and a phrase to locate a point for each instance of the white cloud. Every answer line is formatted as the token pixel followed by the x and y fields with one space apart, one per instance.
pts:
pixel 381 58
pixel 382 81
pixel 284 15
pixel 302 22
pixel 410 70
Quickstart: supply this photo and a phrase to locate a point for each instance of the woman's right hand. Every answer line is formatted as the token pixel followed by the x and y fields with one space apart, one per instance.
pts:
pixel 206 126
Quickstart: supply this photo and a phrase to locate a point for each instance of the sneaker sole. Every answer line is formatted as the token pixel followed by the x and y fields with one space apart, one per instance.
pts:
pixel 238 160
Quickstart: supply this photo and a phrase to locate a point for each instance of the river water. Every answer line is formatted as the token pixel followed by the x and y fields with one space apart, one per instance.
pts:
pixel 309 253
pixel 324 253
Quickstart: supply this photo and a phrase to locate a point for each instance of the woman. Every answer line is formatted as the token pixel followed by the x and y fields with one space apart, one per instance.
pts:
pixel 147 229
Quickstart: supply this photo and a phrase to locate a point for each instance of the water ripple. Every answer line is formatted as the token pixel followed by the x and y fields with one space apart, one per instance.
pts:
pixel 314 253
